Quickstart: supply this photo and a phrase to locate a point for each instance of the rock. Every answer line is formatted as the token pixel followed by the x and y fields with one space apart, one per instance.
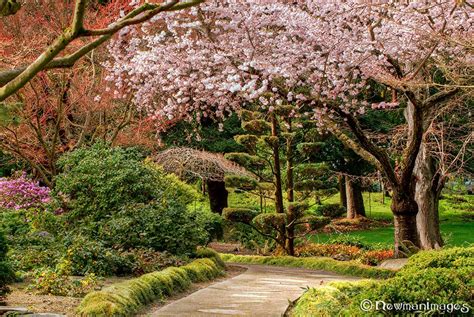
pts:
pixel 393 264
pixel 6 309
pixel 342 257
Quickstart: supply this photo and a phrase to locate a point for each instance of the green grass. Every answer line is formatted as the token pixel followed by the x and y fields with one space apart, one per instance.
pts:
pixel 351 268
pixel 455 227
pixel 456 230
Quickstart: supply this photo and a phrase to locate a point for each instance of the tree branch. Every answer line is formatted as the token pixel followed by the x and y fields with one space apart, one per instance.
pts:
pixel 13 80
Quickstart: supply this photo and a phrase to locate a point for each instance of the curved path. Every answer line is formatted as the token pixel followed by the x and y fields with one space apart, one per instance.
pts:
pixel 262 290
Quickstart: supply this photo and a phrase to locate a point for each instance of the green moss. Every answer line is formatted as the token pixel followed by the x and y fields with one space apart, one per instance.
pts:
pixel 126 298
pixel 345 268
pixel 441 276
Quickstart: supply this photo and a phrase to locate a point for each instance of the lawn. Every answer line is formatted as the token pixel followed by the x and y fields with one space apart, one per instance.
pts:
pixel 456 217
pixel 455 221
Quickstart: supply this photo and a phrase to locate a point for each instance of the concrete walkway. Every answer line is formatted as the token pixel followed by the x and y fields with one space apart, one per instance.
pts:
pixel 260 291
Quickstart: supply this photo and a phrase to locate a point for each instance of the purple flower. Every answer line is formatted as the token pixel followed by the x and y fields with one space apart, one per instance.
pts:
pixel 22 193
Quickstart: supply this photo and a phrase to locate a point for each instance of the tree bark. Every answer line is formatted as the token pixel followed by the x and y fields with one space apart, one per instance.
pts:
pixel 217 196
pixel 405 209
pixel 289 167
pixel 427 197
pixel 342 190
pixel 355 201
pixel 277 168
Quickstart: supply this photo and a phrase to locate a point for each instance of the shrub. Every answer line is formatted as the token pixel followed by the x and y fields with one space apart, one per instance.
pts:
pixel 212 223
pixel 22 193
pixel 267 223
pixel 54 282
pixel 349 240
pixel 149 260
pixel 163 226
pixel 124 299
pixel 452 258
pixel 96 181
pixel 375 257
pixel 440 277
pixel 85 256
pixel 330 250
pixel 242 215
pixel 6 273
pixel 331 210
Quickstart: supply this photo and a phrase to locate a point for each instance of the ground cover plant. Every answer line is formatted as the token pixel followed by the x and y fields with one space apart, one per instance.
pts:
pixel 126 298
pixel 439 277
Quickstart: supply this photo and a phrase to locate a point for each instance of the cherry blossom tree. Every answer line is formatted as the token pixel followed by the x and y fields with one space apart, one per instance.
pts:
pixel 319 56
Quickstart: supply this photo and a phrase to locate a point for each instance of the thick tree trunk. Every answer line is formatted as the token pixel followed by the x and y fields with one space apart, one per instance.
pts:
pixel 277 169
pixel 355 201
pixel 427 197
pixel 342 190
pixel 217 196
pixel 404 209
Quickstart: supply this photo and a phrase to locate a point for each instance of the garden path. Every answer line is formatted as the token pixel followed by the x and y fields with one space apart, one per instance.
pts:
pixel 261 291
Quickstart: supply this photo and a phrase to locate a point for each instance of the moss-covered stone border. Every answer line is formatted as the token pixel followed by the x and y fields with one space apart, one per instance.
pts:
pixel 327 264
pixel 128 297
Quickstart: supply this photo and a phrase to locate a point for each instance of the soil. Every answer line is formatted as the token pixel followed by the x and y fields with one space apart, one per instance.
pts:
pixel 22 297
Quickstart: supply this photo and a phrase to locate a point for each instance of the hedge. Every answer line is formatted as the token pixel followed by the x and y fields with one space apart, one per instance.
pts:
pixel 346 268
pixel 126 298
pixel 441 277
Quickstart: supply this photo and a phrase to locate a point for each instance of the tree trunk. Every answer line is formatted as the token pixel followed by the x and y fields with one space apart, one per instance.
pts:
pixel 427 197
pixel 277 168
pixel 355 201
pixel 404 209
pixel 289 166
pixel 217 196
pixel 290 242
pixel 427 192
pixel 342 190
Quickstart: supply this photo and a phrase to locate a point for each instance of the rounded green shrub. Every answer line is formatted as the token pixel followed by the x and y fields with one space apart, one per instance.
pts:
pixel 243 215
pixel 331 210
pixel 162 226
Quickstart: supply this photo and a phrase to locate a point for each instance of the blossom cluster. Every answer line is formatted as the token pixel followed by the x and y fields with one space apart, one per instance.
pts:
pixel 22 193
pixel 210 60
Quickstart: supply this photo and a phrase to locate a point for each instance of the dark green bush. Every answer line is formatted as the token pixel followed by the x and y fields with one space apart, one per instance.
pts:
pixel 331 210
pixel 163 226
pixel 96 181
pixel 212 223
pixel 86 256
pixel 6 272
